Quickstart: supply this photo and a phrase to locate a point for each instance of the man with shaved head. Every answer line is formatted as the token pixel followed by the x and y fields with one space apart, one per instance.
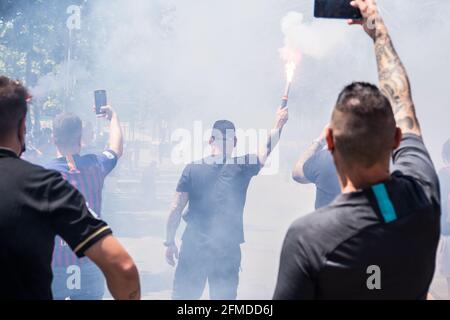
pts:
pixel 378 239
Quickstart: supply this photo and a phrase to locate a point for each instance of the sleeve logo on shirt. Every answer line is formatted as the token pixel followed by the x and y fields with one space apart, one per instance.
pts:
pixel 109 155
pixel 374 280
pixel 92 212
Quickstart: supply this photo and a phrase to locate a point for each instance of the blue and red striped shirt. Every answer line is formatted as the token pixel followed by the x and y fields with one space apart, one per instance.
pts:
pixel 88 177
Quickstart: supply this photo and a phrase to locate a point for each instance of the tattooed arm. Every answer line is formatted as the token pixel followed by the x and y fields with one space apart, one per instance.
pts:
pixel 179 203
pixel 394 81
pixel 298 173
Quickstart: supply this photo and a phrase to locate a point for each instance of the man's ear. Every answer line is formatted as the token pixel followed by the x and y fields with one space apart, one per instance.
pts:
pixel 211 140
pixel 398 138
pixel 330 139
pixel 235 142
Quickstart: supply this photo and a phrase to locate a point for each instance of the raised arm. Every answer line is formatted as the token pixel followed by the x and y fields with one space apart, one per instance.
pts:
pixel 115 130
pixel 298 173
pixel 394 81
pixel 179 203
pixel 282 118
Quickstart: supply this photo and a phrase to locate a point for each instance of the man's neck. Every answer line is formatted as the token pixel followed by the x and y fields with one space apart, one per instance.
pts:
pixel 14 147
pixel 363 179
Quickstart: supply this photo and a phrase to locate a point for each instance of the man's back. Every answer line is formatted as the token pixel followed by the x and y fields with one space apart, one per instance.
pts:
pixel 88 176
pixel 35 206
pixel 392 226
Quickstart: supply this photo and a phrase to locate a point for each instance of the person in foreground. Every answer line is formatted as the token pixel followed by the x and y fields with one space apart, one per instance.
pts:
pixel 38 204
pixel 216 190
pixel 377 240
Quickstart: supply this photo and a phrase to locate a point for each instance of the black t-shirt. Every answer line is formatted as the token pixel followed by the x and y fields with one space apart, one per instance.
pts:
pixel 320 170
pixel 393 226
pixel 35 206
pixel 217 195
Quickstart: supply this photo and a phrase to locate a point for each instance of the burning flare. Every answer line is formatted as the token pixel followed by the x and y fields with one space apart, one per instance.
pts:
pixel 291 66
pixel 292 56
pixel 290 70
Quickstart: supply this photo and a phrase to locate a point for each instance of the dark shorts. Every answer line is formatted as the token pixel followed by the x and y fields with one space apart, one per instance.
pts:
pixel 199 263
pixel 90 287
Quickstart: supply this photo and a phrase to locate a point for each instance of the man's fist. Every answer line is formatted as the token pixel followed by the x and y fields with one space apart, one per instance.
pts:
pixel 371 17
pixel 172 254
pixel 282 118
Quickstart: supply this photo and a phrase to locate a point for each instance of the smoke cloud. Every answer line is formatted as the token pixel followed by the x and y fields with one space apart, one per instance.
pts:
pixel 203 60
pixel 316 39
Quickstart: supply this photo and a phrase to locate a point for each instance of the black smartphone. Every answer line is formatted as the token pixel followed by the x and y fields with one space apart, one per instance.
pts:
pixel 100 100
pixel 336 9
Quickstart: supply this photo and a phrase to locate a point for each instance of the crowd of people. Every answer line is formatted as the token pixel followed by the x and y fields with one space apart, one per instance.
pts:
pixel 370 216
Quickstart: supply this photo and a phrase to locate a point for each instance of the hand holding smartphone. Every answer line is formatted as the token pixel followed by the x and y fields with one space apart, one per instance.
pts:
pixel 336 9
pixel 100 100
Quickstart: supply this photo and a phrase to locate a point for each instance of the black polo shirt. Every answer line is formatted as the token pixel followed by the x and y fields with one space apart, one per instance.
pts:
pixel 36 205
pixel 377 243
pixel 217 195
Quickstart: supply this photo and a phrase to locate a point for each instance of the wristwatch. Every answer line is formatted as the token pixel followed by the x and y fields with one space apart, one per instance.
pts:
pixel 169 244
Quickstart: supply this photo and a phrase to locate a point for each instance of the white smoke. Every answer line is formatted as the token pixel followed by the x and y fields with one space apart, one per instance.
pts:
pixel 316 39
pixel 66 75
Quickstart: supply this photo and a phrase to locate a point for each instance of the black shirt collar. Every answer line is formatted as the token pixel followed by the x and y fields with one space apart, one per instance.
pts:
pixel 7 153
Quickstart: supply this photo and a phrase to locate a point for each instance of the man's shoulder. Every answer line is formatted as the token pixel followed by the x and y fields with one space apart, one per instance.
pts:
pixel 89 158
pixel 34 173
pixel 320 221
pixel 326 228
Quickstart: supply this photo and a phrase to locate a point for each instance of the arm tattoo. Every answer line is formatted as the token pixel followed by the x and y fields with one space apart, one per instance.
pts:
pixel 394 83
pixel 299 174
pixel 407 122
pixel 134 295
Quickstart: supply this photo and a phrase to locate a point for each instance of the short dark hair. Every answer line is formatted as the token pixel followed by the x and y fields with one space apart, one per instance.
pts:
pixel 13 105
pixel 67 130
pixel 363 125
pixel 446 151
pixel 223 127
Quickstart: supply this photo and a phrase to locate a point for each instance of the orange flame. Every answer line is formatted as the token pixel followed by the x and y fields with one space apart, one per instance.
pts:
pixel 290 71
pixel 292 58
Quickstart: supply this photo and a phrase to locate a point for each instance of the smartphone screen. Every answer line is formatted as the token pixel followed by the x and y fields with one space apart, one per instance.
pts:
pixel 100 100
pixel 336 9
